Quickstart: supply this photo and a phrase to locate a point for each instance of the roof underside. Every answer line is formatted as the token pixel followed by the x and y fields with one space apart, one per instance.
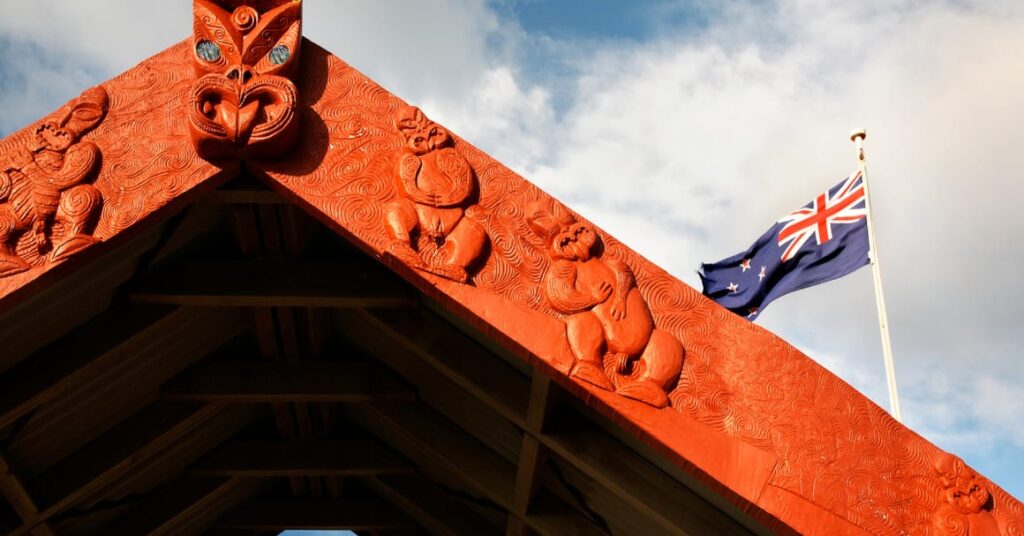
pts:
pixel 240 369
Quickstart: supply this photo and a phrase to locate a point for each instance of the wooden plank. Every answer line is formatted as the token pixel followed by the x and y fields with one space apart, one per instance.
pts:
pixel 169 505
pixel 636 481
pixel 276 515
pixel 244 195
pixel 433 340
pixel 114 454
pixel 438 513
pixel 294 381
pixel 276 283
pixel 428 439
pixel 675 507
pixel 71 359
pixel 264 459
pixel 531 455
pixel 12 489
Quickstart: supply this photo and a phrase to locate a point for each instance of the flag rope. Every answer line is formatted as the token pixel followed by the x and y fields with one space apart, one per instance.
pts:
pixel 858 136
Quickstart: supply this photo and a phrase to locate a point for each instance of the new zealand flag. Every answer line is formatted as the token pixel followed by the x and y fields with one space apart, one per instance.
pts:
pixel 786 259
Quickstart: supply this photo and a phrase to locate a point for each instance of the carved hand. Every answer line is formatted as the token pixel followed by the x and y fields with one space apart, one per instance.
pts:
pixel 618 308
pixel 604 290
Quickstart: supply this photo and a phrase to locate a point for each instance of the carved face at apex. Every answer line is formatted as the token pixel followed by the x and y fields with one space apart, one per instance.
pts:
pixel 246 56
pixel 421 134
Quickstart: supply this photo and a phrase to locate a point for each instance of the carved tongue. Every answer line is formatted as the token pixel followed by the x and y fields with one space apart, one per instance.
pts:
pixel 229 118
pixel 246 116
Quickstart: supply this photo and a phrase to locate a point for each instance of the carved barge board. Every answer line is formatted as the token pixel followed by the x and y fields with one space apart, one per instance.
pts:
pixel 147 165
pixel 750 417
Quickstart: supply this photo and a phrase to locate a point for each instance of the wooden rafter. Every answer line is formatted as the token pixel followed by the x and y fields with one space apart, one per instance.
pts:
pixel 268 459
pixel 430 506
pixel 271 283
pixel 674 507
pixel 293 381
pixel 77 356
pixel 122 449
pixel 276 515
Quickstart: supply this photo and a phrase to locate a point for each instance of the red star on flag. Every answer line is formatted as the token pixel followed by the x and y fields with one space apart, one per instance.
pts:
pixel 745 265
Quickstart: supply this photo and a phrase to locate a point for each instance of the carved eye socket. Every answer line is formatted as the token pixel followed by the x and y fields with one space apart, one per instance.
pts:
pixel 208 50
pixel 280 54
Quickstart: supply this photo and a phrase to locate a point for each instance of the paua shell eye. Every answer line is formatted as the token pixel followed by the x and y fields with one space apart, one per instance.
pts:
pixel 208 50
pixel 280 54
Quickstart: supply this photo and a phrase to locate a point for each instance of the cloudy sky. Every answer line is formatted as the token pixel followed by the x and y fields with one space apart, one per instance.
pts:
pixel 685 128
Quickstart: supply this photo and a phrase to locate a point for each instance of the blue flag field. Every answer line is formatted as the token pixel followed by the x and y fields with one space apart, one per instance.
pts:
pixel 824 240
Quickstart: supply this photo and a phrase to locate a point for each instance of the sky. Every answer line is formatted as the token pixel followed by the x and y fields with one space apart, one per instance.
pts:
pixel 686 128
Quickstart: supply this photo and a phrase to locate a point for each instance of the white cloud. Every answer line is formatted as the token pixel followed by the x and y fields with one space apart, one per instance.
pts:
pixel 687 148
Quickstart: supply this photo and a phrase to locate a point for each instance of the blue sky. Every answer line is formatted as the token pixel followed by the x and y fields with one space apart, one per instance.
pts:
pixel 687 128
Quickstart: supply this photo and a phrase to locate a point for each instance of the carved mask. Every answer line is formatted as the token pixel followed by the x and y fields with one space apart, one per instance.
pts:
pixel 967 493
pixel 80 115
pixel 574 243
pixel 421 134
pixel 567 238
pixel 246 55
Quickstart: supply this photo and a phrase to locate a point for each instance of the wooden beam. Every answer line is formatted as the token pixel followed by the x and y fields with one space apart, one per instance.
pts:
pixel 636 481
pixel 438 513
pixel 173 505
pixel 244 195
pixel 12 488
pixel 276 283
pixel 531 454
pixel 433 340
pixel 276 515
pixel 430 440
pixel 114 454
pixel 76 357
pixel 294 381
pixel 264 459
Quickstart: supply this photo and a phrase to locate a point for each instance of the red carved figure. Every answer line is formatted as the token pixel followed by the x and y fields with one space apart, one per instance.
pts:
pixel 437 183
pixel 46 182
pixel 606 317
pixel 245 54
pixel 966 498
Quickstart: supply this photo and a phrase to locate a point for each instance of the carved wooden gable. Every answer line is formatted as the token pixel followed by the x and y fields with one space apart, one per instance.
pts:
pixel 730 404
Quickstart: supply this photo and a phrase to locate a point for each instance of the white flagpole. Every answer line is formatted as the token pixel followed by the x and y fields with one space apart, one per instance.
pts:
pixel 858 136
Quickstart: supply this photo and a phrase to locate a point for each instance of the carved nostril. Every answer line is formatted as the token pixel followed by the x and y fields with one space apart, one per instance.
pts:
pixel 233 74
pixel 246 76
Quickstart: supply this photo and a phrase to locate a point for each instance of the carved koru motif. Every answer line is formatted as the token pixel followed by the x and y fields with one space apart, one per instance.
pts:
pixel 246 54
pixel 966 501
pixel 428 224
pixel 606 317
pixel 45 182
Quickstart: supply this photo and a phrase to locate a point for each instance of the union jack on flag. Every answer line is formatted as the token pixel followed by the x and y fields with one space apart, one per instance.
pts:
pixel 784 258
pixel 846 205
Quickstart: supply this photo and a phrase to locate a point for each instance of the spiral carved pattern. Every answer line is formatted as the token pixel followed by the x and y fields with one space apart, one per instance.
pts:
pixel 147 158
pixel 835 448
pixel 245 18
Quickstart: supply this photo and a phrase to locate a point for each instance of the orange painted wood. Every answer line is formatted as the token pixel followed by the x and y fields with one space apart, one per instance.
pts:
pixel 734 406
pixel 742 396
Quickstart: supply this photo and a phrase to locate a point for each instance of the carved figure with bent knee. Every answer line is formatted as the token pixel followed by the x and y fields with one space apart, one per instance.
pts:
pixel 605 315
